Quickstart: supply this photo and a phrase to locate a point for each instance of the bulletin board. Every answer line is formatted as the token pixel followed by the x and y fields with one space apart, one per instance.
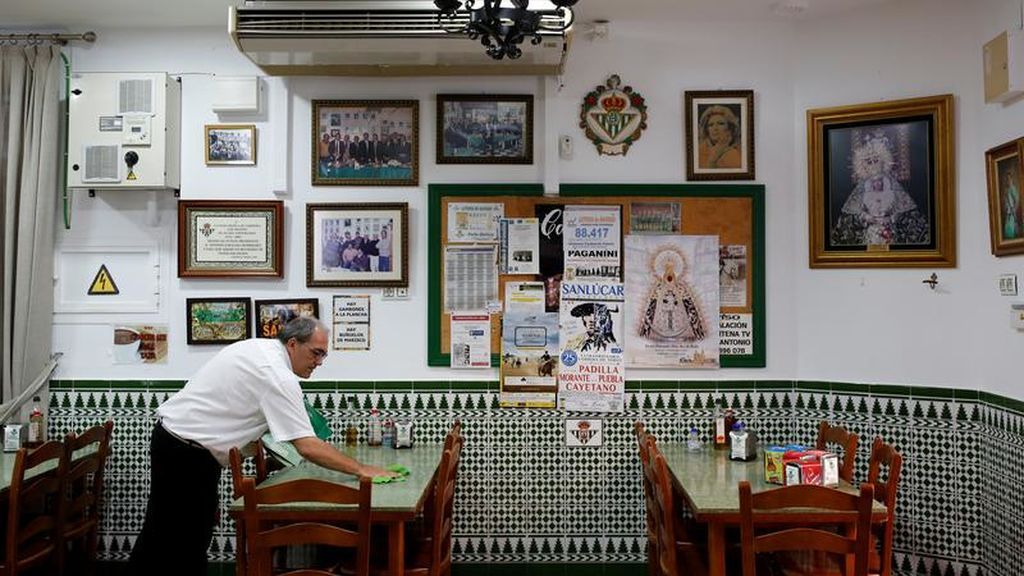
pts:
pixel 733 212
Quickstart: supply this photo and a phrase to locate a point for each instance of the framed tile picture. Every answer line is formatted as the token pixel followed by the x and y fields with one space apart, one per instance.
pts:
pixel 484 129
pixel 365 143
pixel 218 320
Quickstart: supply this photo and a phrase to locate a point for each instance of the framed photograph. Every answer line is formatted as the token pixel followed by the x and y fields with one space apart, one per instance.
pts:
pixel 720 135
pixel 230 144
pixel 230 238
pixel 881 183
pixel 354 245
pixel 366 142
pixel 1005 174
pixel 272 315
pixel 484 129
pixel 218 320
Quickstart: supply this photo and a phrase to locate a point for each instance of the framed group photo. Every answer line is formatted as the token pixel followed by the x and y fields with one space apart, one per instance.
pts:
pixel 365 143
pixel 1005 169
pixel 218 320
pixel 272 315
pixel 230 238
pixel 230 144
pixel 719 134
pixel 881 183
pixel 484 129
pixel 357 245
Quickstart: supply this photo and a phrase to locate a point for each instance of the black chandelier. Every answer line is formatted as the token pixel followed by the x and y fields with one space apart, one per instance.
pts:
pixel 501 29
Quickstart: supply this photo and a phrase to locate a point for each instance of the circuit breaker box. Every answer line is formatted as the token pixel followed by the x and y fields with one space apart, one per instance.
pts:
pixel 124 131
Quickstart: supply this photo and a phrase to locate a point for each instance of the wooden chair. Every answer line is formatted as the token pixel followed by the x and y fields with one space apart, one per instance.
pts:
pixel 789 533
pixel 262 538
pixel 238 476
pixel 35 510
pixel 678 553
pixel 884 455
pixel 85 491
pixel 828 434
pixel 650 502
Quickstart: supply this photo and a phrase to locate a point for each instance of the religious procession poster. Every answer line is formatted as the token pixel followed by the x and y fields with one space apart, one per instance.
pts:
pixel 351 322
pixel 591 240
pixel 529 348
pixel 519 246
pixel 591 375
pixel 474 221
pixel 471 339
pixel 672 290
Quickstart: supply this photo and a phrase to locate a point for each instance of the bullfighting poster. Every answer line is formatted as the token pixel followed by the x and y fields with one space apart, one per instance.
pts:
pixel 672 285
pixel 591 374
pixel 529 346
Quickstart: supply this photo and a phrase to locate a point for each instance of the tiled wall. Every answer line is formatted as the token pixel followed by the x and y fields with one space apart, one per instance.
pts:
pixel 524 498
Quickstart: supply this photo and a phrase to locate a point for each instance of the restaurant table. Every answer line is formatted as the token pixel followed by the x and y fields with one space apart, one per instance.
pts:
pixel 7 465
pixel 393 504
pixel 710 483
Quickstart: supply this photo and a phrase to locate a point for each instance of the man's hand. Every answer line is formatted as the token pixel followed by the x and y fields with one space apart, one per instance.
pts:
pixel 323 454
pixel 374 471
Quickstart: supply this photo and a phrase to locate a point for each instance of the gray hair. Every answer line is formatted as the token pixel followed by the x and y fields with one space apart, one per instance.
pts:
pixel 301 329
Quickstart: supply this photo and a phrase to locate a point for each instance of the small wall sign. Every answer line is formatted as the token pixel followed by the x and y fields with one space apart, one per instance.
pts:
pixel 103 283
pixel 584 432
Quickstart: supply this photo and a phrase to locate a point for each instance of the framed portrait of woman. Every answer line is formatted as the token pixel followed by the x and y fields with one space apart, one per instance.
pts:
pixel 881 183
pixel 720 135
pixel 1005 169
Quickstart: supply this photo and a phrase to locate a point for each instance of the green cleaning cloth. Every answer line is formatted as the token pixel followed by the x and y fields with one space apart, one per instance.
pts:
pixel 402 472
pixel 399 469
pixel 319 423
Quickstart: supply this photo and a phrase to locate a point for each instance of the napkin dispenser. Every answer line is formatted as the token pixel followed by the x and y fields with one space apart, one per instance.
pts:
pixel 743 443
pixel 14 437
pixel 403 434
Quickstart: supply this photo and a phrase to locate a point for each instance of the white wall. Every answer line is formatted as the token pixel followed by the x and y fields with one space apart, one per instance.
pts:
pixel 855 325
pixel 885 325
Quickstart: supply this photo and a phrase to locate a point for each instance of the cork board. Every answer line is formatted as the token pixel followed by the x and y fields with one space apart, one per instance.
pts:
pixel 733 212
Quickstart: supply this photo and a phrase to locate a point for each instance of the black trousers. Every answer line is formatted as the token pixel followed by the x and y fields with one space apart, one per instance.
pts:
pixel 181 511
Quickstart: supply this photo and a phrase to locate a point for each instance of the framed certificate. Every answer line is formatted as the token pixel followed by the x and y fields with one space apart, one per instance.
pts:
pixel 230 238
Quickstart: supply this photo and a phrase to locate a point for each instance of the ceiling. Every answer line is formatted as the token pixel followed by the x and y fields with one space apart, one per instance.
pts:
pixel 80 15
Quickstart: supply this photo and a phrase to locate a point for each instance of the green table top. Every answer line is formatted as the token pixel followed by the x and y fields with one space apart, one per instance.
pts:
pixel 399 497
pixel 710 480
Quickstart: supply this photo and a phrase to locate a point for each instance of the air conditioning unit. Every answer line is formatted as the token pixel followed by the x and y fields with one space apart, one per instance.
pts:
pixel 124 131
pixel 377 38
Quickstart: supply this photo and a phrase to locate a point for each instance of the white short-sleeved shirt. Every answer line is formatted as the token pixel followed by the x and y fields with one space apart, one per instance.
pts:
pixel 243 391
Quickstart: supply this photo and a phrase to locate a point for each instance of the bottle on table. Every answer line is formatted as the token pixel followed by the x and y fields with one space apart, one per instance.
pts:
pixel 374 437
pixel 388 433
pixel 719 432
pixel 730 422
pixel 351 436
pixel 693 441
pixel 36 426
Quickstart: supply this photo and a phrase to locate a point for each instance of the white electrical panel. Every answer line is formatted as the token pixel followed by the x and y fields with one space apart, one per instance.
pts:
pixel 124 131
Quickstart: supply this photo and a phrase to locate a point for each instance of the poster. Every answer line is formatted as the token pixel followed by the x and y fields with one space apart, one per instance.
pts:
pixel 529 346
pixel 140 344
pixel 552 258
pixel 591 375
pixel 474 221
pixel 470 278
pixel 471 339
pixel 672 289
pixel 351 322
pixel 591 241
pixel 526 297
pixel 519 246
pixel 732 275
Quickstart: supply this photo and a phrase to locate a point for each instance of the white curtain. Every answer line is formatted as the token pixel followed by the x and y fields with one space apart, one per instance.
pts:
pixel 30 161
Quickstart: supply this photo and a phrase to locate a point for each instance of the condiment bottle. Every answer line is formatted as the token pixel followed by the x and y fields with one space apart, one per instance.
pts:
pixel 693 441
pixel 730 422
pixel 719 431
pixel 374 437
pixel 36 426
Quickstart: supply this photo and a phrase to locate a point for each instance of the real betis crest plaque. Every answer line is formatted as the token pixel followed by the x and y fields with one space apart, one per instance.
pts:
pixel 613 117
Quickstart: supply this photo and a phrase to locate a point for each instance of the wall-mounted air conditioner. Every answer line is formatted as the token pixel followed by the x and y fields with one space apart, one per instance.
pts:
pixel 376 38
pixel 124 131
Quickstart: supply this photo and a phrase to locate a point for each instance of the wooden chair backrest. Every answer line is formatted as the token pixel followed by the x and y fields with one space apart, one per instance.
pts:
pixel 262 538
pixel 36 504
pixel 85 476
pixel 828 434
pixel 756 510
pixel 884 455
pixel 237 464
pixel 444 506
pixel 668 563
pixel 650 504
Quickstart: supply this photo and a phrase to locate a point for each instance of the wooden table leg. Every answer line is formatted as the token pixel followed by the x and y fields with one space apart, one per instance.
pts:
pixel 716 549
pixel 396 555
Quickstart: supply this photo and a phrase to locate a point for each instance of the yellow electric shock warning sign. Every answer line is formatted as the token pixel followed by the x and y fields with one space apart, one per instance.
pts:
pixel 103 283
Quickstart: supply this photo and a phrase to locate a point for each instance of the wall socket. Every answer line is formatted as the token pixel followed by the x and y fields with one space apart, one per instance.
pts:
pixel 395 293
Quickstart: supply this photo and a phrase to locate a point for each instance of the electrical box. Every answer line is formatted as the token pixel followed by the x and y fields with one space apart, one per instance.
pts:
pixel 236 94
pixel 1004 66
pixel 124 131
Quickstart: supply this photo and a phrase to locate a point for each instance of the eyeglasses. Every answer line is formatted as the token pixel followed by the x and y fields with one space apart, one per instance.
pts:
pixel 318 353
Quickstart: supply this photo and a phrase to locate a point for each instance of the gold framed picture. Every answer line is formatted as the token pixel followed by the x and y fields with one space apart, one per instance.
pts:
pixel 881 184
pixel 1004 165
pixel 719 135
pixel 230 144
pixel 365 143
